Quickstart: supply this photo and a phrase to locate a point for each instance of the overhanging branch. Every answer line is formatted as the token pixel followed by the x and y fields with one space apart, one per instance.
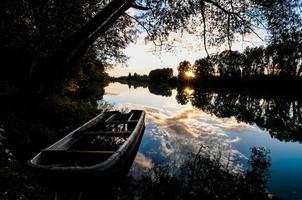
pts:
pixel 217 5
pixel 204 31
pixel 143 26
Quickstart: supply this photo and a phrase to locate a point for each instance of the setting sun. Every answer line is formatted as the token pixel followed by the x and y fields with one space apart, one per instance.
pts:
pixel 189 74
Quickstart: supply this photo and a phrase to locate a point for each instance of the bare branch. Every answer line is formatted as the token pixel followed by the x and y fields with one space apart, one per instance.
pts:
pixel 143 26
pixel 234 14
pixel 204 31
pixel 228 32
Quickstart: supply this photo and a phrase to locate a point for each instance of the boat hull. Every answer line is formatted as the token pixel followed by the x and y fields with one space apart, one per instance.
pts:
pixel 109 171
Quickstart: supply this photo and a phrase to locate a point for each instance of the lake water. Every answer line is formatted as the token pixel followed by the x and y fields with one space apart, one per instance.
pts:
pixel 179 120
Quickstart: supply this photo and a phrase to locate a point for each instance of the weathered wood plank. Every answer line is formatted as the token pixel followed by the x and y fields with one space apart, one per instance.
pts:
pixel 109 133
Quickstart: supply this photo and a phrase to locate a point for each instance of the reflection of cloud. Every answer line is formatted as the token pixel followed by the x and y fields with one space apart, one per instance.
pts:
pixel 143 161
pixel 234 140
pixel 183 131
pixel 112 93
pixel 238 127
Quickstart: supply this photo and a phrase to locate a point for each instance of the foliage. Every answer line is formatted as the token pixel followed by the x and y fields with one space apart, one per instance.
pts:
pixel 182 68
pixel 215 21
pixel 280 61
pixel 161 75
pixel 33 31
pixel 16 182
pixel 159 81
pixel 134 80
pixel 228 64
pixel 88 81
pixel 203 68
pixel 254 62
pixel 39 39
pixel 283 18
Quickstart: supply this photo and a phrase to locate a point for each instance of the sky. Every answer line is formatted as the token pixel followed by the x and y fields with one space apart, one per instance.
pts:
pixel 144 57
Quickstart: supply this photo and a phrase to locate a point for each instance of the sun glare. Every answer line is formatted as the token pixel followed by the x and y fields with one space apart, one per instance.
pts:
pixel 189 74
pixel 188 91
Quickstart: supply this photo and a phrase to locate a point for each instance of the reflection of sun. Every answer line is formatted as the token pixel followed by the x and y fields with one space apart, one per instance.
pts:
pixel 189 74
pixel 188 91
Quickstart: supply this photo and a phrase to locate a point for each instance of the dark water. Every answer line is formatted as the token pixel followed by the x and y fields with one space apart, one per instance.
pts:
pixel 178 121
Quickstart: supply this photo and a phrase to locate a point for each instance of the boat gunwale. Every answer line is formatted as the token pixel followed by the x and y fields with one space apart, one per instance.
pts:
pixel 103 165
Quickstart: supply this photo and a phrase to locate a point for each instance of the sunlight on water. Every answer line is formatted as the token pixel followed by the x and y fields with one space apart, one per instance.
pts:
pixel 188 91
pixel 173 130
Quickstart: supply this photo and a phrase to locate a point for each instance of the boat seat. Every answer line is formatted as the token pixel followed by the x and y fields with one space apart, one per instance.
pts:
pixel 82 156
pixel 76 152
pixel 119 122
pixel 109 133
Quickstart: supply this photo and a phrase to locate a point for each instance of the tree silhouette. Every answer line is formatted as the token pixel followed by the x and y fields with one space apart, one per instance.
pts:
pixel 182 68
pixel 203 68
pixel 276 61
pixel 161 75
pixel 48 38
pixel 254 63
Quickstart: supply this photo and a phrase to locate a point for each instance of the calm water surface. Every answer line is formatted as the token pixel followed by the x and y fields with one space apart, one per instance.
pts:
pixel 179 121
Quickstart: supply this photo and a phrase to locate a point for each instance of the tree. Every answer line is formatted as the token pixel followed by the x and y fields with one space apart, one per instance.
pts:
pixel 43 40
pixel 161 75
pixel 182 68
pixel 73 26
pixel 283 18
pixel 229 64
pixel 253 62
pixel 203 68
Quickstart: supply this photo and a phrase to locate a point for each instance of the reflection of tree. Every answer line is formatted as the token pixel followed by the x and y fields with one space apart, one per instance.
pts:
pixel 280 116
pixel 160 89
pixel 201 177
pixel 182 97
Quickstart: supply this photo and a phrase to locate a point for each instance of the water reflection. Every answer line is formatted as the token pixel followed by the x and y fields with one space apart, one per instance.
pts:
pixel 282 117
pixel 178 122
pixel 163 90
pixel 203 177
pixel 227 121
pixel 280 114
pixel 170 136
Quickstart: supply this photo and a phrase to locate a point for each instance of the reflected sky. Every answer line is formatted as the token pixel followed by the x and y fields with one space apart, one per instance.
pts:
pixel 173 130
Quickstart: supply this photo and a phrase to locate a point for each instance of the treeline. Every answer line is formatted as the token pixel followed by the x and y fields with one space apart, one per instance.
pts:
pixel 163 76
pixel 271 64
pixel 276 61
pixel 260 107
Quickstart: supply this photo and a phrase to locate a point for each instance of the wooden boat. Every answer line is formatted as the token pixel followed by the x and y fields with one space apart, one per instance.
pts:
pixel 101 147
